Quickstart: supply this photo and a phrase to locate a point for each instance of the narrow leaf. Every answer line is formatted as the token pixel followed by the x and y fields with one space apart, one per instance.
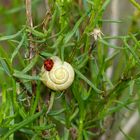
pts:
pixel 70 34
pixel 18 47
pixel 132 52
pixel 131 87
pixel 110 45
pixel 87 81
pixel 3 38
pixel 25 76
pixel 112 56
pixel 31 64
pixel 46 127
pixel 44 54
pixel 5 66
pixel 24 123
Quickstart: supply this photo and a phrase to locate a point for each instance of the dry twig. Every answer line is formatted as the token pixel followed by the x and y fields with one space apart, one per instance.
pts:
pixel 31 45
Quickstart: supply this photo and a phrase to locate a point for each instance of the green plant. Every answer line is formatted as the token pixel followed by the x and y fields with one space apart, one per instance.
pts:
pixel 28 109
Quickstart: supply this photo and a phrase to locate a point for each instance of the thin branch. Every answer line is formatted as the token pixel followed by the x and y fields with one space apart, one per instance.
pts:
pixel 31 45
pixel 47 5
pixel 30 24
pixel 29 13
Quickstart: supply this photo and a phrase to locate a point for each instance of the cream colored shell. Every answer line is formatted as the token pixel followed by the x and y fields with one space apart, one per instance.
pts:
pixel 60 77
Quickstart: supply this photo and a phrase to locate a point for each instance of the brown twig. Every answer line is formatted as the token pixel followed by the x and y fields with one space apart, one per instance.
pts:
pixel 47 5
pixel 31 44
pixel 30 24
pixel 29 13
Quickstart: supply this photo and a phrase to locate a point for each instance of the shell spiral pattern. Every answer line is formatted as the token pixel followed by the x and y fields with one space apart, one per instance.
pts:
pixel 60 77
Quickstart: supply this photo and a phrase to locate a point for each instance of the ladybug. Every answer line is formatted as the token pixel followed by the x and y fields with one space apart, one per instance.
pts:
pixel 48 64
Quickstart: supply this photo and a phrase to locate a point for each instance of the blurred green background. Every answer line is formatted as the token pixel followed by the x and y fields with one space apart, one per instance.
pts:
pixel 119 19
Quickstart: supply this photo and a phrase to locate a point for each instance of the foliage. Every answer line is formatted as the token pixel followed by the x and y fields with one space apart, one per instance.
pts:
pixel 28 109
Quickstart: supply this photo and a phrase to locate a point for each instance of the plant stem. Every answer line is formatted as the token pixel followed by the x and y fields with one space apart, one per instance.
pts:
pixel 29 13
pixel 135 4
pixel 80 136
pixel 51 102
pixel 81 123
pixel 47 5
pixel 33 109
pixel 31 45
pixel 30 24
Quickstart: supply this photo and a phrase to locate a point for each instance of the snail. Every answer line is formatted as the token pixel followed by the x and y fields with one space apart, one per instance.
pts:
pixel 57 75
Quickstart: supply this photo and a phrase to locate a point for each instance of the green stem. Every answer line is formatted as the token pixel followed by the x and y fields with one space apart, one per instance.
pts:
pixel 67 111
pixel 135 4
pixel 33 109
pixel 81 123
pixel 80 136
pixel 51 102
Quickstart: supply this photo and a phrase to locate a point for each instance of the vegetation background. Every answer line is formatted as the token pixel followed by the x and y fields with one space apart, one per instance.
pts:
pixel 103 103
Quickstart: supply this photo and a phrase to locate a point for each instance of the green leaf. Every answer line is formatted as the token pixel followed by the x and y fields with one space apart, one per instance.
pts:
pixel 57 112
pixel 27 131
pixel 136 4
pixel 1 69
pixel 58 42
pixel 5 66
pixel 105 4
pixel 36 33
pixel 3 38
pixel 46 127
pixel 90 2
pixel 132 51
pixel 44 54
pixel 24 123
pixel 21 75
pixel 83 61
pixel 36 100
pixel 31 64
pixel 117 37
pixel 131 86
pixel 3 53
pixel 112 56
pixel 5 56
pixel 18 47
pixel 66 134
pixel 126 135
pixel 110 45
pixel 3 131
pixel 135 40
pixel 60 119
pixel 70 34
pixel 74 114
pixel 85 94
pixel 87 81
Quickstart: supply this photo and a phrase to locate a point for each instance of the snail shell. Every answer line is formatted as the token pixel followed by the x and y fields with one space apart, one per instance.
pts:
pixel 60 77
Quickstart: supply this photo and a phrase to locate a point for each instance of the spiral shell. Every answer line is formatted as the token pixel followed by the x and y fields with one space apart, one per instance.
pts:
pixel 60 77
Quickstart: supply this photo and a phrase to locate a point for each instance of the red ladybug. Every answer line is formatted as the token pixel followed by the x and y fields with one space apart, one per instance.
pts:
pixel 48 64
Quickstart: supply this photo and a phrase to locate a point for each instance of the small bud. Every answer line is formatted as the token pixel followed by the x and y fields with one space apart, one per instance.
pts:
pixel 97 33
